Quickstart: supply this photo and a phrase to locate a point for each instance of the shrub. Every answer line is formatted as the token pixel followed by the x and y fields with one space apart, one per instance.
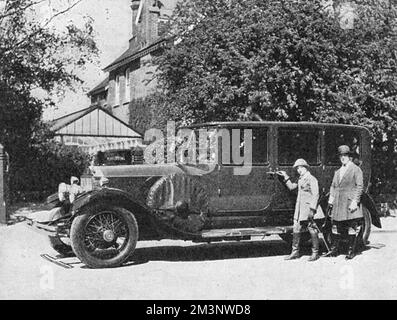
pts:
pixel 39 172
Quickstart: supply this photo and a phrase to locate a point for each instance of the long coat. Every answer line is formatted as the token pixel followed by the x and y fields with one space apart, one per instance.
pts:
pixel 308 194
pixel 344 191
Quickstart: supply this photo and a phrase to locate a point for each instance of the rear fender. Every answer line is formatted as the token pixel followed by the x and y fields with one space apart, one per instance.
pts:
pixel 367 201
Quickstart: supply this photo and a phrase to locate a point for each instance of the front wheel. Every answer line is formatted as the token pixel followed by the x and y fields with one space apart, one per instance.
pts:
pixel 104 236
pixel 61 245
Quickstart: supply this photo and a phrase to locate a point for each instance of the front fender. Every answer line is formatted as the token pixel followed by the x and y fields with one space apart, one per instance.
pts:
pixel 110 195
pixel 146 219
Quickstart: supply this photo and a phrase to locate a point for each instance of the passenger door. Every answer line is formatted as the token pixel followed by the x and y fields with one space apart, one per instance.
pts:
pixel 293 143
pixel 252 193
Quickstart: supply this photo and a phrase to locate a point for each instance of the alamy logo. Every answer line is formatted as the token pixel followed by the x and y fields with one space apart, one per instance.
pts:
pixel 201 146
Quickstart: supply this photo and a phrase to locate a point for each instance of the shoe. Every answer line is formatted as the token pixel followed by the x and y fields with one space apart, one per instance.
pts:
pixel 294 255
pixel 350 255
pixel 295 247
pixel 352 248
pixel 314 257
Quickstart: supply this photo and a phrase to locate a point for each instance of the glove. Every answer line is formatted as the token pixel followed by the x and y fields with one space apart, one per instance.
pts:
pixel 283 174
pixel 353 206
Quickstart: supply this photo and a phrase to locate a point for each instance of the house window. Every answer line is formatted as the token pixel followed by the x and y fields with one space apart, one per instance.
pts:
pixel 117 91
pixel 163 26
pixel 127 86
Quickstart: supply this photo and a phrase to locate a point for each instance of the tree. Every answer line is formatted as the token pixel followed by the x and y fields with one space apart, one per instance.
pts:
pixel 288 60
pixel 34 55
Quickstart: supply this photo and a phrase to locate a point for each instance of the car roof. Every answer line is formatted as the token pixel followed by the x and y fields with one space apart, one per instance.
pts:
pixel 242 124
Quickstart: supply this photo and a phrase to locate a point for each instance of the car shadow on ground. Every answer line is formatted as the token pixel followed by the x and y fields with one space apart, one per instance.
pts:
pixel 212 251
pixel 216 251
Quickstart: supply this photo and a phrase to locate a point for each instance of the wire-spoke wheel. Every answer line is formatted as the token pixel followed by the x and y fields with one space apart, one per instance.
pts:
pixel 104 236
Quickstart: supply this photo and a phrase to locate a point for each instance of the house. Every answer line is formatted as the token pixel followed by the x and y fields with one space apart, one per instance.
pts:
pixel 130 76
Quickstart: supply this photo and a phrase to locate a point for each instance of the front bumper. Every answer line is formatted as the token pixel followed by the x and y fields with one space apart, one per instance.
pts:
pixel 47 229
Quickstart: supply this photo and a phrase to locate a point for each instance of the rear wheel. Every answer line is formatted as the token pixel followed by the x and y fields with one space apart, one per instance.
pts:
pixel 104 236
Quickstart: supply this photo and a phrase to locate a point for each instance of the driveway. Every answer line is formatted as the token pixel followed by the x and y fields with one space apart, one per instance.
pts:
pixel 184 270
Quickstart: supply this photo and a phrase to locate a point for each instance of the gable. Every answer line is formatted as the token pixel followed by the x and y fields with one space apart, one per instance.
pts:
pixel 93 122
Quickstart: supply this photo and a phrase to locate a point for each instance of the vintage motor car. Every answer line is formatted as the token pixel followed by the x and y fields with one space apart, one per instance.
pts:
pixel 206 202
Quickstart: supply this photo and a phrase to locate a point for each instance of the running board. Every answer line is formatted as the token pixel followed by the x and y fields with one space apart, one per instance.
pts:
pixel 244 232
pixel 56 261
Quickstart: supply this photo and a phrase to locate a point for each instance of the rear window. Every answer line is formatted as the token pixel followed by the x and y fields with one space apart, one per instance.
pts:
pixel 337 137
pixel 295 143
pixel 116 157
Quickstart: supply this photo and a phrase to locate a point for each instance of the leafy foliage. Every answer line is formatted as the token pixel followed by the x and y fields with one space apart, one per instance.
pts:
pixel 289 61
pixel 148 112
pixel 34 55
pixel 50 163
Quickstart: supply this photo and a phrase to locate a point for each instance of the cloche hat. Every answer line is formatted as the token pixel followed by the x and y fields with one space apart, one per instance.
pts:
pixel 344 150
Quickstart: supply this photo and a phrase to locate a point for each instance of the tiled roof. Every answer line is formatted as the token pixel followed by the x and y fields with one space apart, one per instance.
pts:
pixel 133 53
pixel 65 120
pixel 92 121
pixel 100 87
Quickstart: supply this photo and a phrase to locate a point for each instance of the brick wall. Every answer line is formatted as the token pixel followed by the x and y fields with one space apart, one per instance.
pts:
pixel 141 72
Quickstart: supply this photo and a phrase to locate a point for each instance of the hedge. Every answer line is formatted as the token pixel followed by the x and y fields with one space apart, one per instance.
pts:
pixel 43 167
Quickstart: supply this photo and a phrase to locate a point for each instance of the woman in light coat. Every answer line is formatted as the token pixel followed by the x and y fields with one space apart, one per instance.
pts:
pixel 306 208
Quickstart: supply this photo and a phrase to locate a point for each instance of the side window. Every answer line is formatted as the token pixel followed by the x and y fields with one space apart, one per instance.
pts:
pixel 337 137
pixel 295 143
pixel 259 146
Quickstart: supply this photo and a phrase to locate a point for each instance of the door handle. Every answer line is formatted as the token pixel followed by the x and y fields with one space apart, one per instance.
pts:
pixel 271 175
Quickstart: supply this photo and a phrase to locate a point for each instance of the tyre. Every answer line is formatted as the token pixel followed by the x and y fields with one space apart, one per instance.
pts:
pixel 60 245
pixel 104 236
